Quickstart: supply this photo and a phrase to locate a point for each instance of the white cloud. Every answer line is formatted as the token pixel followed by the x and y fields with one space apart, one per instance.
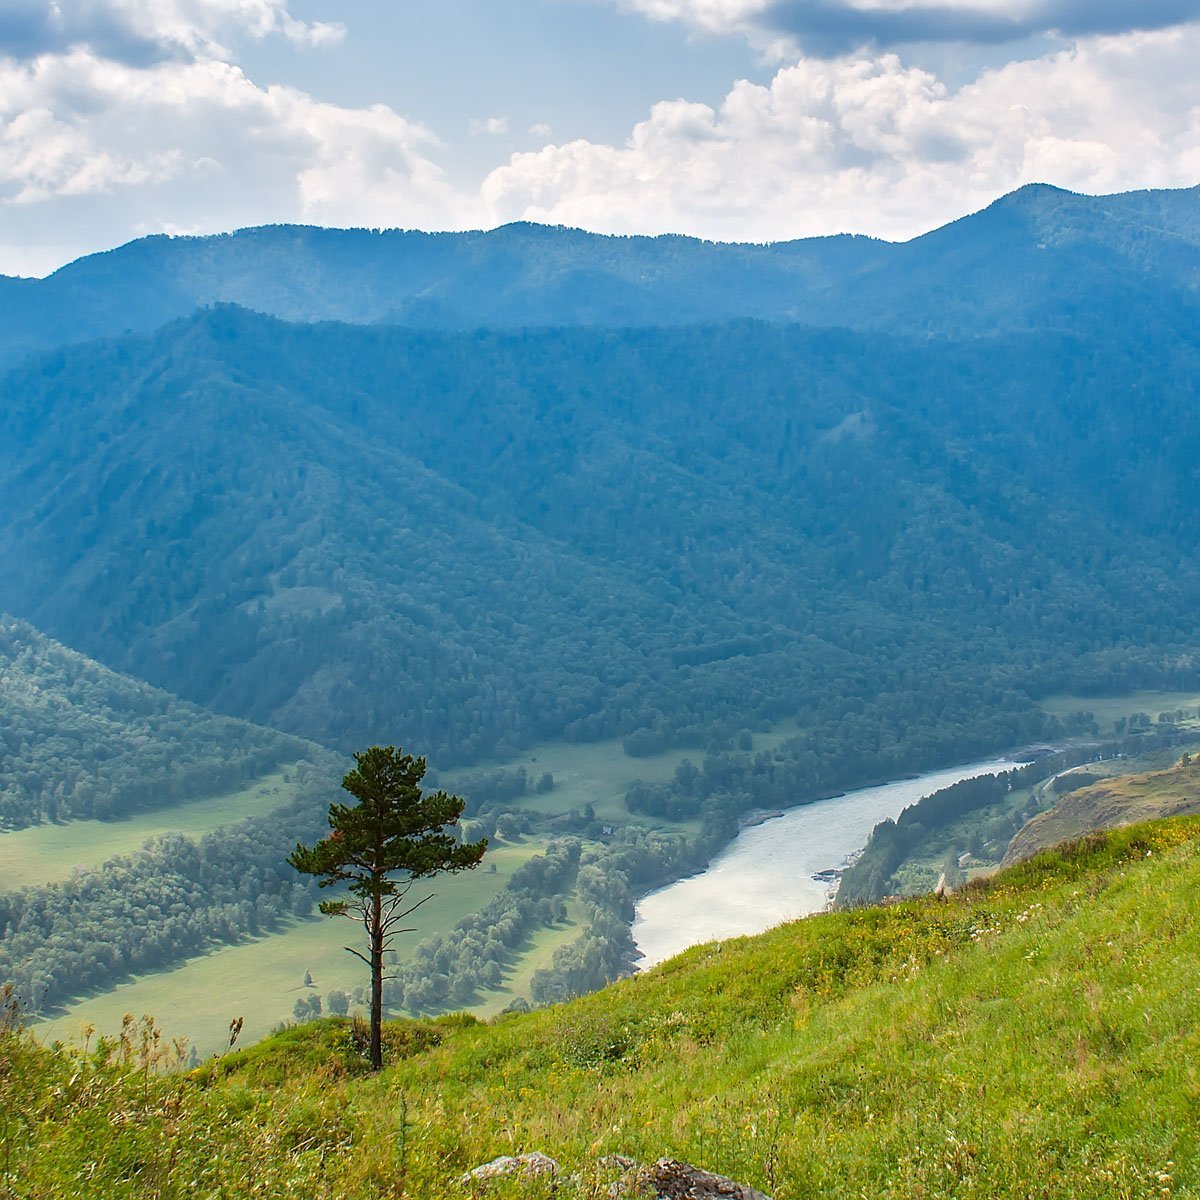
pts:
pixel 198 144
pixel 540 130
pixel 714 16
pixel 138 31
pixel 199 26
pixel 833 27
pixel 872 145
pixel 490 126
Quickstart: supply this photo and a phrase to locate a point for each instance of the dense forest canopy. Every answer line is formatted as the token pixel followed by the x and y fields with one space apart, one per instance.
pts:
pixel 675 494
pixel 469 542
pixel 79 740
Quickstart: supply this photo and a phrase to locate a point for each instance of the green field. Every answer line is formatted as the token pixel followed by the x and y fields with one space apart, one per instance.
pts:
pixel 1109 709
pixel 534 956
pixel 260 980
pixel 598 773
pixel 1030 1038
pixel 50 853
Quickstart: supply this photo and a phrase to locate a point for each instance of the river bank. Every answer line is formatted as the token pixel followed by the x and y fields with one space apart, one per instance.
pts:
pixel 781 868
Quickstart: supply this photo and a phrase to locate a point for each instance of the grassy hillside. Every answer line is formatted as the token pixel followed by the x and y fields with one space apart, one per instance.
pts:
pixel 1035 1036
pixel 1121 800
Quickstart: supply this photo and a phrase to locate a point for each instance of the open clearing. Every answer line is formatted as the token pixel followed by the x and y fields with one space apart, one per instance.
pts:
pixel 537 954
pixel 50 853
pixel 1109 709
pixel 260 980
pixel 598 773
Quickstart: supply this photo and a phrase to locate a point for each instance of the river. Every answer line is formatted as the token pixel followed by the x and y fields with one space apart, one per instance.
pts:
pixel 766 875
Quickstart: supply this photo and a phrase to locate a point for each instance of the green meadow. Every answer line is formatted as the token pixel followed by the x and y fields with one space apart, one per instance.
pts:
pixel 260 980
pixel 1034 1037
pixel 598 773
pixel 49 853
pixel 1109 709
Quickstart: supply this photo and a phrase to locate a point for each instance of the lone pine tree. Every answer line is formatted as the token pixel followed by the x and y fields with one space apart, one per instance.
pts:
pixel 379 848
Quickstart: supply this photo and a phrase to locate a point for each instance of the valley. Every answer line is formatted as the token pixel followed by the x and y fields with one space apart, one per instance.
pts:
pixel 261 978
pixel 627 586
pixel 888 1051
pixel 43 854
pixel 598 600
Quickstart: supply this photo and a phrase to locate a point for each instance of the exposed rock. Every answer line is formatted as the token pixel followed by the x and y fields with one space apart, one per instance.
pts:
pixel 533 1163
pixel 668 1179
pixel 618 1162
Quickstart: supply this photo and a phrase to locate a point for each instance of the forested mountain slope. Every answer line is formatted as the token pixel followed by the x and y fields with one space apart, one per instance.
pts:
pixel 1039 257
pixel 79 740
pixel 464 542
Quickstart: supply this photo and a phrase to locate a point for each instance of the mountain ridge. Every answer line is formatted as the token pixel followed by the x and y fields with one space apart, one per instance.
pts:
pixel 1074 256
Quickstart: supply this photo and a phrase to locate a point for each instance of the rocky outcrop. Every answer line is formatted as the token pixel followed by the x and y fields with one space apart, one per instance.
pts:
pixel 669 1179
pixel 533 1164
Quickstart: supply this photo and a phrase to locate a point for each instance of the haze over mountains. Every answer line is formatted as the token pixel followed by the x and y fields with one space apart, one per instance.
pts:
pixel 634 498
pixel 1039 257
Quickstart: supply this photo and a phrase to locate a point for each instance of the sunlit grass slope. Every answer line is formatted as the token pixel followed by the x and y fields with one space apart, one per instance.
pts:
pixel 1123 800
pixel 1037 1035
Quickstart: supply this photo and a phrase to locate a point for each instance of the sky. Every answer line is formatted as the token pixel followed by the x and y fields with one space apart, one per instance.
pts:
pixel 735 120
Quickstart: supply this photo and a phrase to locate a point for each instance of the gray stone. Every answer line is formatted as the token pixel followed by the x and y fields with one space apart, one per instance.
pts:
pixel 534 1163
pixel 672 1180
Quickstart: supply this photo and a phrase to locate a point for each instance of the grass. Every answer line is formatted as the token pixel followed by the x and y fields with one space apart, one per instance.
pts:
pixel 598 773
pixel 50 853
pixel 260 980
pixel 1109 709
pixel 1121 800
pixel 535 956
pixel 1036 1036
pixel 1024 822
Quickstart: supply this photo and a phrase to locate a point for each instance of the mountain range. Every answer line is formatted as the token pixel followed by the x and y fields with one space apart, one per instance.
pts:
pixel 1038 258
pixel 650 501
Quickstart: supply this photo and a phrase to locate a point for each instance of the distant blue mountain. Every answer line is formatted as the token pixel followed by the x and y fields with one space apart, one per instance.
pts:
pixel 1036 258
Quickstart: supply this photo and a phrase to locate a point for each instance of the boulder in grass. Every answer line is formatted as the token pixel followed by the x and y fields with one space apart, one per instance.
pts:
pixel 534 1163
pixel 669 1179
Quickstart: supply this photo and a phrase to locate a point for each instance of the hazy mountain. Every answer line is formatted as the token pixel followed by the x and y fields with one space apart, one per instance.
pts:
pixel 1038 257
pixel 469 541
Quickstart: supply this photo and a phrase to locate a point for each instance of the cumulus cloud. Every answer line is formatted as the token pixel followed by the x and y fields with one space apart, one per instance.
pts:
pixel 834 27
pixel 140 32
pixel 198 144
pixel 870 144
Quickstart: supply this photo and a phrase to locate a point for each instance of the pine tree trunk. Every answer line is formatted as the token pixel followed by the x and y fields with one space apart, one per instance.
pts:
pixel 376 982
